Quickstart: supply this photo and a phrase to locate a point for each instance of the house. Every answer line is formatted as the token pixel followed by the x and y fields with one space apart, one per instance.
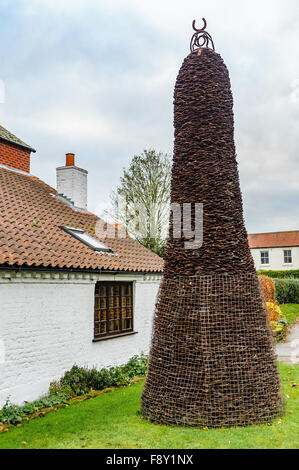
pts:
pixel 70 292
pixel 275 250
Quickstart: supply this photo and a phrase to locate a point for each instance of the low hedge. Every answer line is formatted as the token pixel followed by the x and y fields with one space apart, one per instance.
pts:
pixel 287 291
pixel 287 274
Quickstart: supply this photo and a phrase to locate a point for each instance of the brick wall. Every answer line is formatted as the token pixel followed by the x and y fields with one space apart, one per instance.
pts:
pixel 47 326
pixel 14 156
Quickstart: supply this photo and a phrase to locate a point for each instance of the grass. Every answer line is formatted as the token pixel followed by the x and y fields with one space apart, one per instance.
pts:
pixel 111 421
pixel 291 312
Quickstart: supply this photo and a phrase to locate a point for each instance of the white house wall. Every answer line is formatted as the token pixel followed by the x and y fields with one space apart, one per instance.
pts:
pixel 47 326
pixel 276 259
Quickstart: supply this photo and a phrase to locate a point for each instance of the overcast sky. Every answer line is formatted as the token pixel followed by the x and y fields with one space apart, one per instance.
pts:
pixel 96 77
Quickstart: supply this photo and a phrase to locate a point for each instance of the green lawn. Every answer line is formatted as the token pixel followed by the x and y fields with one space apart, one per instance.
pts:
pixel 111 421
pixel 291 312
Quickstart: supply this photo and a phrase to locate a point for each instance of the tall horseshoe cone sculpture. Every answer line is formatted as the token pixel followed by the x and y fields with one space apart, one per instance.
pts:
pixel 212 361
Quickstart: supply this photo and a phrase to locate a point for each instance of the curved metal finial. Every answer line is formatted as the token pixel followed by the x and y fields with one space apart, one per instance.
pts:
pixel 201 29
pixel 200 38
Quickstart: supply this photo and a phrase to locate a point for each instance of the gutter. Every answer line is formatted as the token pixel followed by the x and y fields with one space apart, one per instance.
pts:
pixel 72 270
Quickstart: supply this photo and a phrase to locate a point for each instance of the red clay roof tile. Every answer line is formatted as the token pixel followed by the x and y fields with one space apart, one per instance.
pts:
pixel 30 231
pixel 274 239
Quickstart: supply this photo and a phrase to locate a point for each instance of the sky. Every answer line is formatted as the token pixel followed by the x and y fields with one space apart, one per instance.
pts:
pixel 96 78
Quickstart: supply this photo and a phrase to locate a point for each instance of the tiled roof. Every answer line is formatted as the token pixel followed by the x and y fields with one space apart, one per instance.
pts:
pixel 274 239
pixel 30 233
pixel 9 137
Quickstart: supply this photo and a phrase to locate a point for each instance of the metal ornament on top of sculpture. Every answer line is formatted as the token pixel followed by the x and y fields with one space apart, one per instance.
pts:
pixel 201 38
pixel 212 361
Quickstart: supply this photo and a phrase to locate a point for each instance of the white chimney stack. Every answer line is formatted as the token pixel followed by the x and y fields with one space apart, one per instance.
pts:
pixel 72 182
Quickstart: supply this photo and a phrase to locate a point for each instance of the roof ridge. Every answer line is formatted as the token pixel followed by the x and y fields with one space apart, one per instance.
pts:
pixel 8 136
pixel 271 233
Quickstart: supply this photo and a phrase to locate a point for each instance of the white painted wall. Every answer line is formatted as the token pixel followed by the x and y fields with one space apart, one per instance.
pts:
pixel 47 325
pixel 276 258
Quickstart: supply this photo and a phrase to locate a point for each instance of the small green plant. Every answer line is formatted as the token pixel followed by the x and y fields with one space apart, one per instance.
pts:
pixel 137 365
pixel 280 329
pixel 61 390
pixel 10 414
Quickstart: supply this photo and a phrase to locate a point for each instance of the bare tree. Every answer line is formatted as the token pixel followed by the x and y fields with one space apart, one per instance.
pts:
pixel 141 201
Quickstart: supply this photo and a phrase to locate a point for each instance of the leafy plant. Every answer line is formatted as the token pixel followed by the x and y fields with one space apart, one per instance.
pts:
pixel 10 414
pixel 58 389
pixel 77 380
pixel 274 311
pixel 278 320
pixel 137 365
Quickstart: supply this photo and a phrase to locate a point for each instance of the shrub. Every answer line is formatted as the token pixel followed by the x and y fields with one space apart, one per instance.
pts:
pixel 137 365
pixel 268 287
pixel 278 320
pixel 61 390
pixel 77 380
pixel 286 274
pixel 274 311
pixel 287 291
pixel 81 380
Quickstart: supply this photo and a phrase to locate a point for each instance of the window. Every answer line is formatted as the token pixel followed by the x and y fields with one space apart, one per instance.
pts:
pixel 87 239
pixel 264 257
pixel 113 315
pixel 287 256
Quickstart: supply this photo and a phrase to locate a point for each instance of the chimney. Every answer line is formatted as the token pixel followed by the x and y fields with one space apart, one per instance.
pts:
pixel 72 182
pixel 14 153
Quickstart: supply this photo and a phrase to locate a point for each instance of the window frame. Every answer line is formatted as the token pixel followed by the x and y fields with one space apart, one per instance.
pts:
pixel 268 257
pixel 76 232
pixel 121 332
pixel 287 256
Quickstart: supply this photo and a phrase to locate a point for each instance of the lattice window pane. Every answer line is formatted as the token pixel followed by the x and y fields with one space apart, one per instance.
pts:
pixel 287 254
pixel 264 257
pixel 113 308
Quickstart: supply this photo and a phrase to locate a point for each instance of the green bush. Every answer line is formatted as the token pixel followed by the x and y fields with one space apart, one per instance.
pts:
pixel 75 382
pixel 60 390
pixel 137 365
pixel 287 291
pixel 287 274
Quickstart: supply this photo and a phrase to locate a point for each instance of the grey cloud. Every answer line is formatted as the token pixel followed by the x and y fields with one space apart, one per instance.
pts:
pixel 97 78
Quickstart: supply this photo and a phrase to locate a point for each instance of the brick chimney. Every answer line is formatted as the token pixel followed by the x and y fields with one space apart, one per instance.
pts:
pixel 72 182
pixel 14 153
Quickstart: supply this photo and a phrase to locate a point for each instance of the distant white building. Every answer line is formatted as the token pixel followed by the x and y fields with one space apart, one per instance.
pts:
pixel 276 250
